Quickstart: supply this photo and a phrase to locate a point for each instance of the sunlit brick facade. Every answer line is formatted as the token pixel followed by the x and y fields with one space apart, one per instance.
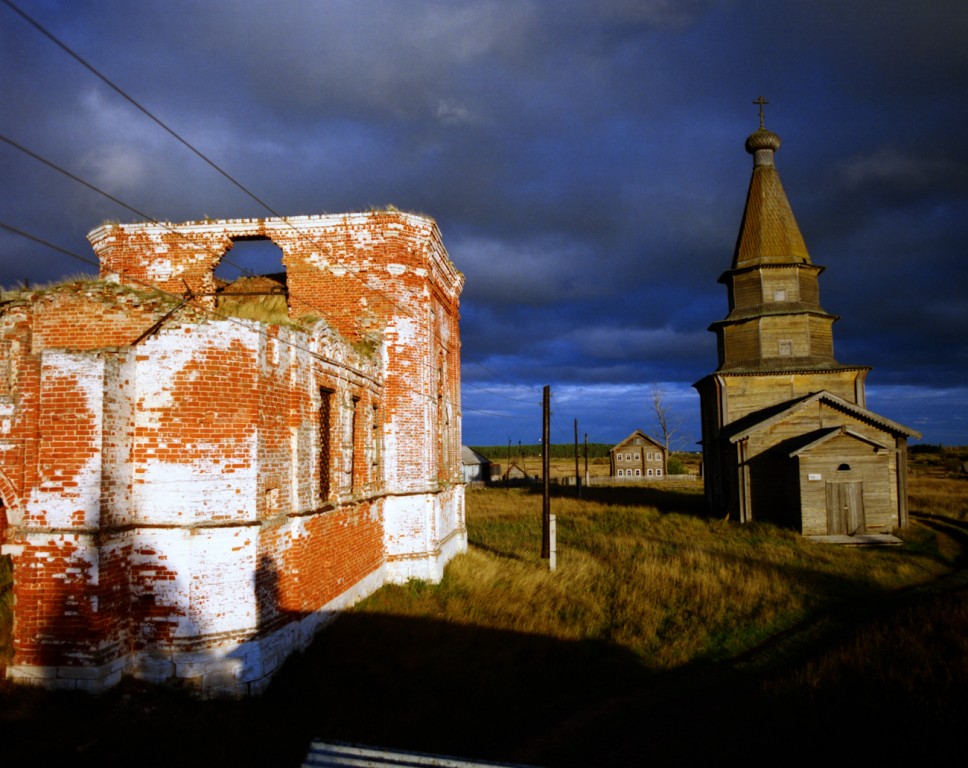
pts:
pixel 190 496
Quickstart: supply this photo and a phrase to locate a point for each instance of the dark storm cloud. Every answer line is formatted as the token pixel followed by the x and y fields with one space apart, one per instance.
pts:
pixel 584 160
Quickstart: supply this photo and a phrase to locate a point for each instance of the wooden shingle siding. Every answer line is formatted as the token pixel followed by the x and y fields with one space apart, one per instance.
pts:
pixel 809 286
pixel 821 336
pixel 784 328
pixel 742 341
pixel 785 281
pixel 747 289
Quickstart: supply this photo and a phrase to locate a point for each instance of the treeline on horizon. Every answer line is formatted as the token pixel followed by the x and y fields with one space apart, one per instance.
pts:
pixel 560 451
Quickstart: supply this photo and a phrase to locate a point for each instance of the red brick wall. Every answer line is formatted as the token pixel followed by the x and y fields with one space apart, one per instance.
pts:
pixel 167 495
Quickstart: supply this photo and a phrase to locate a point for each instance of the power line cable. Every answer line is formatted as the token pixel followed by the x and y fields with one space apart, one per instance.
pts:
pixel 131 100
pixel 134 102
pixel 174 230
pixel 120 202
pixel 74 177
pixel 213 313
pixel 494 373
pixel 49 244
pixel 554 416
pixel 499 394
pixel 496 415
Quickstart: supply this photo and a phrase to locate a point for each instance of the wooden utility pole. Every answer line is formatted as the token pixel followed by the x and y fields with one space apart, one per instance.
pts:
pixel 546 471
pixel 586 458
pixel 577 476
pixel 507 470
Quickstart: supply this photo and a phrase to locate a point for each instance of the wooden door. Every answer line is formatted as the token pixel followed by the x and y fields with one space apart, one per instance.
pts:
pixel 845 508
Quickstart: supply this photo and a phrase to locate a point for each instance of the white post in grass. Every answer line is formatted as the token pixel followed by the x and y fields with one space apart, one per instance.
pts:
pixel 553 557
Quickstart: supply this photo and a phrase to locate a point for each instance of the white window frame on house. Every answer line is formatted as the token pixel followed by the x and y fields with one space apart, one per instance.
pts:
pixel 635 456
pixel 658 473
pixel 638 472
pixel 620 473
pixel 650 473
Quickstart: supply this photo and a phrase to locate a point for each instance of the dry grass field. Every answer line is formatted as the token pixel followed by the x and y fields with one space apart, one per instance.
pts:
pixel 663 635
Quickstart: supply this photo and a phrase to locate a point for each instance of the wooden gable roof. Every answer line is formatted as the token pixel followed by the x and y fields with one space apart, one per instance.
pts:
pixel 742 429
pixel 630 441
pixel 469 456
pixel 804 444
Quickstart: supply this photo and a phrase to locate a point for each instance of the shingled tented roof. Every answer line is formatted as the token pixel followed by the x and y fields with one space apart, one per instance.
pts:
pixel 769 233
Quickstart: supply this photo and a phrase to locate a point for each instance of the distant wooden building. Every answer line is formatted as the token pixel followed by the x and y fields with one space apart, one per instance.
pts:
pixel 514 473
pixel 637 456
pixel 477 468
pixel 787 435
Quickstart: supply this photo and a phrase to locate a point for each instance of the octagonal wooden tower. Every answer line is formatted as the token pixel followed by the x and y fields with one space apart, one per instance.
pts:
pixel 787 435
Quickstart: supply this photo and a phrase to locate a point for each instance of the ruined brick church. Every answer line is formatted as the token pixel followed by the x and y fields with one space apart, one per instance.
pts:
pixel 187 495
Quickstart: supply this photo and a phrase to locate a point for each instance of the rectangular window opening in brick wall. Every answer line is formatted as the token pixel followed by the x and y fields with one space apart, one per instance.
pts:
pixel 349 445
pixel 325 416
pixel 5 368
pixel 374 447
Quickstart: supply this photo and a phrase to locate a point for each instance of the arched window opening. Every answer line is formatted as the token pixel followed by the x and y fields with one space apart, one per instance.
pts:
pixel 251 281
pixel 844 468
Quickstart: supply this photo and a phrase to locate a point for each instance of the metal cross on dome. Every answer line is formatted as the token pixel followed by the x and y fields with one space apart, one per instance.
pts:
pixel 761 101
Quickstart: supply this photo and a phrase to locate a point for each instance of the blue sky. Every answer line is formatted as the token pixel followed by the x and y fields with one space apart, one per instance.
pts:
pixel 584 161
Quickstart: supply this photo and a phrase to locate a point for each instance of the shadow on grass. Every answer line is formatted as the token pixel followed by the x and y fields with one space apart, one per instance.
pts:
pixel 662 499
pixel 376 679
pixel 439 687
pixel 494 550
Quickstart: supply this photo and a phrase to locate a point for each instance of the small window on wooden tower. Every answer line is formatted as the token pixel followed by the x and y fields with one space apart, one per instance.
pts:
pixel 786 348
pixel 844 468
pixel 779 294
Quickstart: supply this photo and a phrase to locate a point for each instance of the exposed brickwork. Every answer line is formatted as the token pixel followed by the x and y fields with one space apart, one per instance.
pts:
pixel 190 497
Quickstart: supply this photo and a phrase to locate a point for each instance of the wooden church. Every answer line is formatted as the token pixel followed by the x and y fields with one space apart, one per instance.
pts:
pixel 787 436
